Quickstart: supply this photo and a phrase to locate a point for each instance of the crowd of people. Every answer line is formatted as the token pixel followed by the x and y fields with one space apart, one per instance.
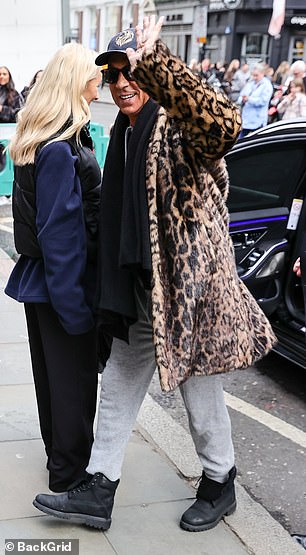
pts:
pixel 263 94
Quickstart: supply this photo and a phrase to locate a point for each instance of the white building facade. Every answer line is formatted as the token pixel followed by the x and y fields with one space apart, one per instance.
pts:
pixel 96 22
pixel 30 32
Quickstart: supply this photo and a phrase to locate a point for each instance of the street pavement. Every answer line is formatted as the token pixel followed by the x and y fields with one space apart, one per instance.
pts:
pixel 159 472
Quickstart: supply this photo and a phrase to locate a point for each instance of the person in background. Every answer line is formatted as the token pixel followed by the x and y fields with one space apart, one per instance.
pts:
pixel 269 72
pixel 10 100
pixel 297 71
pixel 194 66
pixel 205 69
pixel 254 100
pixel 239 79
pixel 56 198
pixel 230 72
pixel 273 114
pixel 281 74
pixel 293 104
pixel 169 294
pixel 25 91
pixel 220 70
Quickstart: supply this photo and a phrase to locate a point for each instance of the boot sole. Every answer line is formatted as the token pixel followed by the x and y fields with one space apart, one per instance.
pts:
pixel 191 528
pixel 88 520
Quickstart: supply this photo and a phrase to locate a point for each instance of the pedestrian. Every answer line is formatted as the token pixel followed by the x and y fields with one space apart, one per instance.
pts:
pixel 281 74
pixel 297 71
pixel 26 89
pixel 205 69
pixel 194 66
pixel 229 75
pixel 239 79
pixel 254 100
pixel 169 294
pixel 293 104
pixel 10 100
pixel 56 196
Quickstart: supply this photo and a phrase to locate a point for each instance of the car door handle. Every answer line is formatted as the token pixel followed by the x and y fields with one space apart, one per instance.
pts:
pixel 256 260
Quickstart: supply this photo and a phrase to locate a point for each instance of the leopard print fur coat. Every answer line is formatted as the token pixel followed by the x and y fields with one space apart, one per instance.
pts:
pixel 205 320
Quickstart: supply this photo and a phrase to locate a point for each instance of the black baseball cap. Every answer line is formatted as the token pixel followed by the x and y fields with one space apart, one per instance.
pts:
pixel 119 43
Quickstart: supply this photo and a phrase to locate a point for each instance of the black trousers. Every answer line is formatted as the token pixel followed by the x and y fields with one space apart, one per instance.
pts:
pixel 65 370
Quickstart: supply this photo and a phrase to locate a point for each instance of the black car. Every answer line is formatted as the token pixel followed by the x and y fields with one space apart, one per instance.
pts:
pixel 267 204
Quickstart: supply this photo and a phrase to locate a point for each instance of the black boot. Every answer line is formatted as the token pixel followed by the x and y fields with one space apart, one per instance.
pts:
pixel 90 503
pixel 214 500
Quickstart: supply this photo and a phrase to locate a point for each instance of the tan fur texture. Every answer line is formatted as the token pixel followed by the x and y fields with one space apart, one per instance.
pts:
pixel 205 320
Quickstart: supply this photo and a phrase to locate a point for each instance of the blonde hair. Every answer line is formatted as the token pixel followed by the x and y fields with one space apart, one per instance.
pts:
pixel 55 109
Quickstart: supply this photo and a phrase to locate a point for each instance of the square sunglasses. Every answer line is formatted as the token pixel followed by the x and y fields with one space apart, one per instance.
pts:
pixel 111 74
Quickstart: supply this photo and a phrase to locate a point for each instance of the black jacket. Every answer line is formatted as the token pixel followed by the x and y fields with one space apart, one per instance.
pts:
pixel 24 199
pixel 9 110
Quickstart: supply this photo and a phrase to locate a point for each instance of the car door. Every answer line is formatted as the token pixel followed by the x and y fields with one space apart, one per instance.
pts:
pixel 267 186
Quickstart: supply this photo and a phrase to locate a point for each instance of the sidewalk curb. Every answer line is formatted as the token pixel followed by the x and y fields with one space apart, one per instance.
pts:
pixel 261 535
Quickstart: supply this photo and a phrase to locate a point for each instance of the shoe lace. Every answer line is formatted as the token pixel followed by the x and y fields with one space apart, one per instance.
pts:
pixel 83 484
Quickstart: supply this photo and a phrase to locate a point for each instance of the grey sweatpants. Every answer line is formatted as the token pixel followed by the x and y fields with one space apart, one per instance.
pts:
pixel 124 383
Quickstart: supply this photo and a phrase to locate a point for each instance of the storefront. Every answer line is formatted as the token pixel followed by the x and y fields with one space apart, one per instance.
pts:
pixel 239 29
pixel 184 27
pixel 296 25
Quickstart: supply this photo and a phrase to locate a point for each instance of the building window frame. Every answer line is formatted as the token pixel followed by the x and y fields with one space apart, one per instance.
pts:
pixel 255 48
pixel 297 52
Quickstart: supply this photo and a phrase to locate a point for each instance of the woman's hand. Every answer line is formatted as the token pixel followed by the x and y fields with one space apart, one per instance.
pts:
pixel 297 267
pixel 146 39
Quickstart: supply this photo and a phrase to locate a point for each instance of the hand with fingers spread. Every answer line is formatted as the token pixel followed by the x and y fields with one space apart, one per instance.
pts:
pixel 146 38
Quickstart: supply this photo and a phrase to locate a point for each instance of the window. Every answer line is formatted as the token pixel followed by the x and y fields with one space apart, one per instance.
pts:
pixel 255 48
pixel 298 49
pixel 93 29
pixel 265 178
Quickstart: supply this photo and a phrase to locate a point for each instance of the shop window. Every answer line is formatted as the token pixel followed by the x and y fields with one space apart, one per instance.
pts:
pixel 215 48
pixel 255 48
pixel 297 49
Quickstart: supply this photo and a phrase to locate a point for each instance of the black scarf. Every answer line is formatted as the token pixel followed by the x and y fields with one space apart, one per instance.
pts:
pixel 124 248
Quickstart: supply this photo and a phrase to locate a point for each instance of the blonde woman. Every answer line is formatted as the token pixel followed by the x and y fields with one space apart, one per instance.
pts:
pixel 55 205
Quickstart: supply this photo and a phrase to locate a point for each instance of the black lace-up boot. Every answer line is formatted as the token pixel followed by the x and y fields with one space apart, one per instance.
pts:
pixel 214 500
pixel 90 502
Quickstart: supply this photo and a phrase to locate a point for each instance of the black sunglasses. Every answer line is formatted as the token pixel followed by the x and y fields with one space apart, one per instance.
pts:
pixel 111 75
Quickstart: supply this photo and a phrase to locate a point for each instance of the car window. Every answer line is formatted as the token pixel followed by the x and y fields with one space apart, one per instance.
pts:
pixel 264 177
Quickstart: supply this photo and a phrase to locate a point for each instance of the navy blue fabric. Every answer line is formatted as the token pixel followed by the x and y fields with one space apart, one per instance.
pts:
pixel 62 277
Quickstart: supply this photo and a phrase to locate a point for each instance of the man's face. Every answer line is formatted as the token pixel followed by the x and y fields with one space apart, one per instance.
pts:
pixel 129 98
pixel 257 75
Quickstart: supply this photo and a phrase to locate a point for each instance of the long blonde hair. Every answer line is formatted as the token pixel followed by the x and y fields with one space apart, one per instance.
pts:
pixel 55 109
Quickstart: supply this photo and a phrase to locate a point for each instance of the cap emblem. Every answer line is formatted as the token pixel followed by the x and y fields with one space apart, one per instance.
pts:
pixel 124 37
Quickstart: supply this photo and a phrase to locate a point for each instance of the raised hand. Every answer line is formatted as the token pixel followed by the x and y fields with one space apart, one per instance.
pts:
pixel 146 38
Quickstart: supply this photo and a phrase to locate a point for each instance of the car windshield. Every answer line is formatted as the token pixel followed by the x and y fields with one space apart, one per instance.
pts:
pixel 264 177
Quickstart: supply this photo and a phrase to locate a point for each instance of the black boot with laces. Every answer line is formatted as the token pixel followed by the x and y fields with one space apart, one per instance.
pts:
pixel 90 502
pixel 214 500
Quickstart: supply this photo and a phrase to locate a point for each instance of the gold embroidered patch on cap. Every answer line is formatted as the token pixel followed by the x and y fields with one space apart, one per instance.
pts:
pixel 124 37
